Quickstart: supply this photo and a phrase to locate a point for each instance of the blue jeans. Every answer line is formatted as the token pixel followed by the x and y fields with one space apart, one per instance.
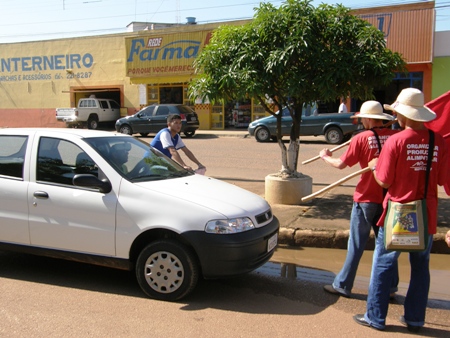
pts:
pixel 383 268
pixel 363 217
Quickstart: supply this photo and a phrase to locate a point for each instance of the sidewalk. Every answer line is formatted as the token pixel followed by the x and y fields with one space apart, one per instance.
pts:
pixel 321 223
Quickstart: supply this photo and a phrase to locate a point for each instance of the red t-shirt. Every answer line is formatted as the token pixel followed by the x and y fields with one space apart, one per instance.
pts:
pixel 402 165
pixel 363 148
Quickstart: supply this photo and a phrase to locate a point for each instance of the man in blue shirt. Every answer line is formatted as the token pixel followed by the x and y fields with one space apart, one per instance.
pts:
pixel 168 141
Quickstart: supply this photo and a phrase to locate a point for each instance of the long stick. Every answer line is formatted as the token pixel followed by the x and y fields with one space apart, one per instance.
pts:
pixel 334 149
pixel 339 182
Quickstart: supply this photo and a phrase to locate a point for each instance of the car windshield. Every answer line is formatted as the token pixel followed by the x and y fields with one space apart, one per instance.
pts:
pixel 135 159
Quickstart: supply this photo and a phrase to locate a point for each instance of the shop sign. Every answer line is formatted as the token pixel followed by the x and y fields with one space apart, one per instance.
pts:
pixel 164 54
pixel 42 67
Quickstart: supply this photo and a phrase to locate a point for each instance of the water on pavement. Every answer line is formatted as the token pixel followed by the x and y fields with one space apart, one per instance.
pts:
pixel 321 265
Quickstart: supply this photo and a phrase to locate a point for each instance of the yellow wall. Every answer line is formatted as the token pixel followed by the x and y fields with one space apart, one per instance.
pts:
pixel 38 76
pixel 42 85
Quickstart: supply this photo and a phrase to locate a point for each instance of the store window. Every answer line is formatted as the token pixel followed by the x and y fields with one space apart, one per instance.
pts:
pixel 238 113
pixel 171 95
pixel 177 94
pixel 389 93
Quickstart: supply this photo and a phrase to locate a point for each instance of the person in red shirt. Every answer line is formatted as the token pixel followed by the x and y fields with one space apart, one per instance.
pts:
pixel 401 169
pixel 368 195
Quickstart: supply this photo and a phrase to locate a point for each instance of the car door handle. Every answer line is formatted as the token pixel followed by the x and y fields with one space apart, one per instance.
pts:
pixel 40 194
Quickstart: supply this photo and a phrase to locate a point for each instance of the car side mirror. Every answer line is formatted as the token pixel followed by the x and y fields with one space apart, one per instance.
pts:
pixel 90 181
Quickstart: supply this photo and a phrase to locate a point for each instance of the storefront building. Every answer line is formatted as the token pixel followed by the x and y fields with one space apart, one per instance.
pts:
pixel 155 65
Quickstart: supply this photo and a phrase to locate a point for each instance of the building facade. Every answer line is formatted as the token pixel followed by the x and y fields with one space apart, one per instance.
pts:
pixel 155 65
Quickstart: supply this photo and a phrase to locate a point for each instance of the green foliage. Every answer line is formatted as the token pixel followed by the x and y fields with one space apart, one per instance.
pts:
pixel 296 51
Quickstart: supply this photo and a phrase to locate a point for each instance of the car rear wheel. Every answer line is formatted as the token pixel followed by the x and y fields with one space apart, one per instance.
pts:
pixel 92 122
pixel 189 133
pixel 126 129
pixel 262 134
pixel 334 135
pixel 167 270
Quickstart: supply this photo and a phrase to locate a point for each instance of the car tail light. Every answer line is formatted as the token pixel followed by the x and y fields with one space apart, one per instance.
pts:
pixel 183 117
pixel 76 112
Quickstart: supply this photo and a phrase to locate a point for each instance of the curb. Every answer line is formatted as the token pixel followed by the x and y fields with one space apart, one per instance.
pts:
pixel 337 239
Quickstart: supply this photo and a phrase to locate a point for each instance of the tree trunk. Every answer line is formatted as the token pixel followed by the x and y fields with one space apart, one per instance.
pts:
pixel 289 158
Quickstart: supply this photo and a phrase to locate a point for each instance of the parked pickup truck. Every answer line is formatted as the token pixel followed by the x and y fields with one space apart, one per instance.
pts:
pixel 335 127
pixel 90 111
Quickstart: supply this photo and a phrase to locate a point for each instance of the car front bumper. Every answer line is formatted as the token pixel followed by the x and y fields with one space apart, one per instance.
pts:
pixel 233 254
pixel 251 130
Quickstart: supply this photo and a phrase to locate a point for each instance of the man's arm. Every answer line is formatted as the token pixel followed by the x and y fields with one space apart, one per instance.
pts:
pixel 191 156
pixel 177 158
pixel 325 154
pixel 373 166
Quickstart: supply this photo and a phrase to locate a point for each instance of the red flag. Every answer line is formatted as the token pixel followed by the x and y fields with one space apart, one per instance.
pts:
pixel 441 125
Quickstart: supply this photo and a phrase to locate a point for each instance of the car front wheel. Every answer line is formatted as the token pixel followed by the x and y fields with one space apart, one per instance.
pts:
pixel 262 134
pixel 167 270
pixel 126 129
pixel 334 135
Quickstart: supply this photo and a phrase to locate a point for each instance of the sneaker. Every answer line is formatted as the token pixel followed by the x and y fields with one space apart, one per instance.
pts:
pixel 411 328
pixel 362 321
pixel 332 290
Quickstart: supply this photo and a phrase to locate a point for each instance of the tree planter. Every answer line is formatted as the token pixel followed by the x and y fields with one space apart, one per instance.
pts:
pixel 289 191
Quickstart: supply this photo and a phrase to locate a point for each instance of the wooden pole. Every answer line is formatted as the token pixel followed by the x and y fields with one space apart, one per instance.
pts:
pixel 335 184
pixel 334 149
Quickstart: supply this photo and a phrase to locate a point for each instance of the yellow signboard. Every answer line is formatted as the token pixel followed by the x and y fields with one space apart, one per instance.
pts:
pixel 162 55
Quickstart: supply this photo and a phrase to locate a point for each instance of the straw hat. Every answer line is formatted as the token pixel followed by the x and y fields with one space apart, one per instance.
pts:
pixel 372 110
pixel 410 104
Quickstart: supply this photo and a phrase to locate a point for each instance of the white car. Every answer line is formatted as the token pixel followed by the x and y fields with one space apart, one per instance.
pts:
pixel 110 199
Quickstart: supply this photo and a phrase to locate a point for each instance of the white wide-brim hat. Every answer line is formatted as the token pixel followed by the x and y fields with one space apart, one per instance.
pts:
pixel 410 104
pixel 372 110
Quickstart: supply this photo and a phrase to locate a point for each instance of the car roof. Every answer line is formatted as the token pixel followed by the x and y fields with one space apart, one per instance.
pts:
pixel 56 131
pixel 167 104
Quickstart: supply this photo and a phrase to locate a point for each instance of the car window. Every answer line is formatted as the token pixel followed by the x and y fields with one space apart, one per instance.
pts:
pixel 183 110
pixel 60 160
pixel 162 111
pixel 83 104
pixel 135 160
pixel 114 104
pixel 147 111
pixel 103 104
pixel 286 112
pixel 12 155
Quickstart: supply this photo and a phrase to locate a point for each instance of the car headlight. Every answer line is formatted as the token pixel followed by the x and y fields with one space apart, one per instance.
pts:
pixel 229 226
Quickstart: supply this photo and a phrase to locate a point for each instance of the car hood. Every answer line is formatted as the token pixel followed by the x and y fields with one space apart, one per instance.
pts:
pixel 263 119
pixel 126 118
pixel 210 193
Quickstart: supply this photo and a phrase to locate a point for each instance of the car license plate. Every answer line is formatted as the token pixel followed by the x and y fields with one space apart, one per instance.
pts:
pixel 272 242
pixel 193 118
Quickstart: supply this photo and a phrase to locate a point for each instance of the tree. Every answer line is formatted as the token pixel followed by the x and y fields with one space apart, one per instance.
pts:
pixel 292 55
